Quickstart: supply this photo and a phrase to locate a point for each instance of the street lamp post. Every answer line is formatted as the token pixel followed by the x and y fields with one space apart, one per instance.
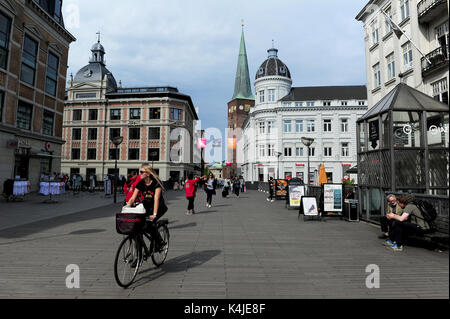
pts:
pixel 307 141
pixel 278 169
pixel 116 141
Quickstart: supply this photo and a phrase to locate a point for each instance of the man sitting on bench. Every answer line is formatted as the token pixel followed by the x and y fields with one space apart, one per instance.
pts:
pixel 409 223
pixel 386 223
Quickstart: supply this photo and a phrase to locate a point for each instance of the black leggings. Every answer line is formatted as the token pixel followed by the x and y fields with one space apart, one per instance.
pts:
pixel 386 224
pixel 191 202
pixel 152 230
pixel 209 195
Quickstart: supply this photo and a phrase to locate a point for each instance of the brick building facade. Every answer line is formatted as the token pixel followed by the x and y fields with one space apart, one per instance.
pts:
pixel 34 46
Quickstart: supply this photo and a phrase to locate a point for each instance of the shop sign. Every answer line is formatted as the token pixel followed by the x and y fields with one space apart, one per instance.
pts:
pixel 12 144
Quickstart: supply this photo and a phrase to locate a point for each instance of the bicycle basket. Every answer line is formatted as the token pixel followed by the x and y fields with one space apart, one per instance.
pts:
pixel 129 223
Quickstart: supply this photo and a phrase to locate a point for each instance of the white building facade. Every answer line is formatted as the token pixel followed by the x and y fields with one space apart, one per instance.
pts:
pixel 283 114
pixel 419 57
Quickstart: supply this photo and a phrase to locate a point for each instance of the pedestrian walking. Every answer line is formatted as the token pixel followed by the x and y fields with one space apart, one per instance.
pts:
pixel 210 189
pixel 236 186
pixel 191 189
pixel 271 187
pixel 241 180
pixel 226 188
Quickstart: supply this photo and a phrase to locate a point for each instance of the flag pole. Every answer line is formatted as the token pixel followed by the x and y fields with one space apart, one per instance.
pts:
pixel 397 28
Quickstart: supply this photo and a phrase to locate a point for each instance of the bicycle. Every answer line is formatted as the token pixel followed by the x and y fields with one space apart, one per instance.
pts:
pixel 136 248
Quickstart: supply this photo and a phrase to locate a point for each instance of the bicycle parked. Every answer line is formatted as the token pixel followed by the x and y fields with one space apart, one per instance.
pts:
pixel 138 246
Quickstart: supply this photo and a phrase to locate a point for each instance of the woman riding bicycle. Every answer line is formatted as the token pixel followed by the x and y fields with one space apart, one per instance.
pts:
pixel 149 190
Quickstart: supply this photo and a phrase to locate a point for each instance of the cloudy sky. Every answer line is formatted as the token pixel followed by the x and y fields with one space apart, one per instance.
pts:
pixel 194 45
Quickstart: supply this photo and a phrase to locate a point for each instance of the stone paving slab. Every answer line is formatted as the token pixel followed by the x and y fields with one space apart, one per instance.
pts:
pixel 240 248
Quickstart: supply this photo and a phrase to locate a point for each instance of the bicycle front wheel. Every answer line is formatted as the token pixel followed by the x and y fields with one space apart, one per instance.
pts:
pixel 159 255
pixel 127 262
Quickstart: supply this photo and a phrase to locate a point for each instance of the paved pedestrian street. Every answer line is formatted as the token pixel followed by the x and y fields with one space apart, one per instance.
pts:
pixel 240 248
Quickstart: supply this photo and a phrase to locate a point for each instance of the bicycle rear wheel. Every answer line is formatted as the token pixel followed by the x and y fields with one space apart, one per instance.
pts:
pixel 159 255
pixel 127 262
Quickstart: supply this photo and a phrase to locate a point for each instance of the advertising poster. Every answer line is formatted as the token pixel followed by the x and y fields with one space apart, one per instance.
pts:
pixel 281 188
pixel 310 206
pixel 295 194
pixel 332 199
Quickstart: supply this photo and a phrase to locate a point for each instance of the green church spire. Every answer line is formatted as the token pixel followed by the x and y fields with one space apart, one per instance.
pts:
pixel 242 86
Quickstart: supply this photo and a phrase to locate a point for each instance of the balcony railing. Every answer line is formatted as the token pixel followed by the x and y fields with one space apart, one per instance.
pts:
pixel 428 9
pixel 438 58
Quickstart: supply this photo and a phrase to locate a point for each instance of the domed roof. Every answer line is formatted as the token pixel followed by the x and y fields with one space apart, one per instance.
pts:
pixel 98 47
pixel 95 72
pixel 273 66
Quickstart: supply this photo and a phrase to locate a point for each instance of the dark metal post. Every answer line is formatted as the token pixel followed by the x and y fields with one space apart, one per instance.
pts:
pixel 115 178
pixel 307 172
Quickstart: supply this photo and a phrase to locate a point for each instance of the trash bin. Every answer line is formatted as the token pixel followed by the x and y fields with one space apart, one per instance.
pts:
pixel 351 210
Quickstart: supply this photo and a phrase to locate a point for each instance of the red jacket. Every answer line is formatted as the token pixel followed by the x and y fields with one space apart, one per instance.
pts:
pixel 190 187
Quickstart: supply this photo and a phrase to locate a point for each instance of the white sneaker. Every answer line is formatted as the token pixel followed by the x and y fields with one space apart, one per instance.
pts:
pixel 209 206
pixel 272 200
pixel 268 199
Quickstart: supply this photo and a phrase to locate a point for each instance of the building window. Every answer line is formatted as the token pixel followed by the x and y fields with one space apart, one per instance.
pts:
pixel 175 114
pixel 298 104
pixel 310 126
pixel 327 125
pixel 269 127
pixel 114 114
pixel 114 154
pixel 299 126
pixel 91 154
pixel 344 103
pixel 361 103
pixel 133 154
pixel 5 30
pixel 287 151
pixel 134 133
pixel 262 127
pixel 271 96
pixel 76 134
pixel 344 125
pixel 327 151
pixel 51 79
pixel 376 75
pixel 92 134
pixel 93 115
pixel 326 103
pixel 82 96
pixel 287 126
pixel 153 154
pixel 114 132
pixel 404 9
pixel 440 90
pixel 2 102
pixel 262 149
pixel 271 150
pixel 345 149
pixel 390 66
pixel 24 114
pixel 76 115
pixel 407 56
pixel 29 55
pixel 47 123
pixel 154 133
pixel 299 151
pixel 387 22
pixel 310 103
pixel 374 32
pixel 135 114
pixel 75 153
pixel 312 151
pixel 155 114
pixel 261 96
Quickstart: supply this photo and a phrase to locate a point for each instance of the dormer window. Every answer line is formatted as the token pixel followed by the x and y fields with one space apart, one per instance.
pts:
pixel 282 69
pixel 261 71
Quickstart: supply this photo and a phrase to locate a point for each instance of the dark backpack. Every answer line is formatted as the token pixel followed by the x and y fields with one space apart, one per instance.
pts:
pixel 428 211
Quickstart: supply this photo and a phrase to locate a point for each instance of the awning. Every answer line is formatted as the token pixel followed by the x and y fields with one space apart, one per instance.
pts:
pixel 353 170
